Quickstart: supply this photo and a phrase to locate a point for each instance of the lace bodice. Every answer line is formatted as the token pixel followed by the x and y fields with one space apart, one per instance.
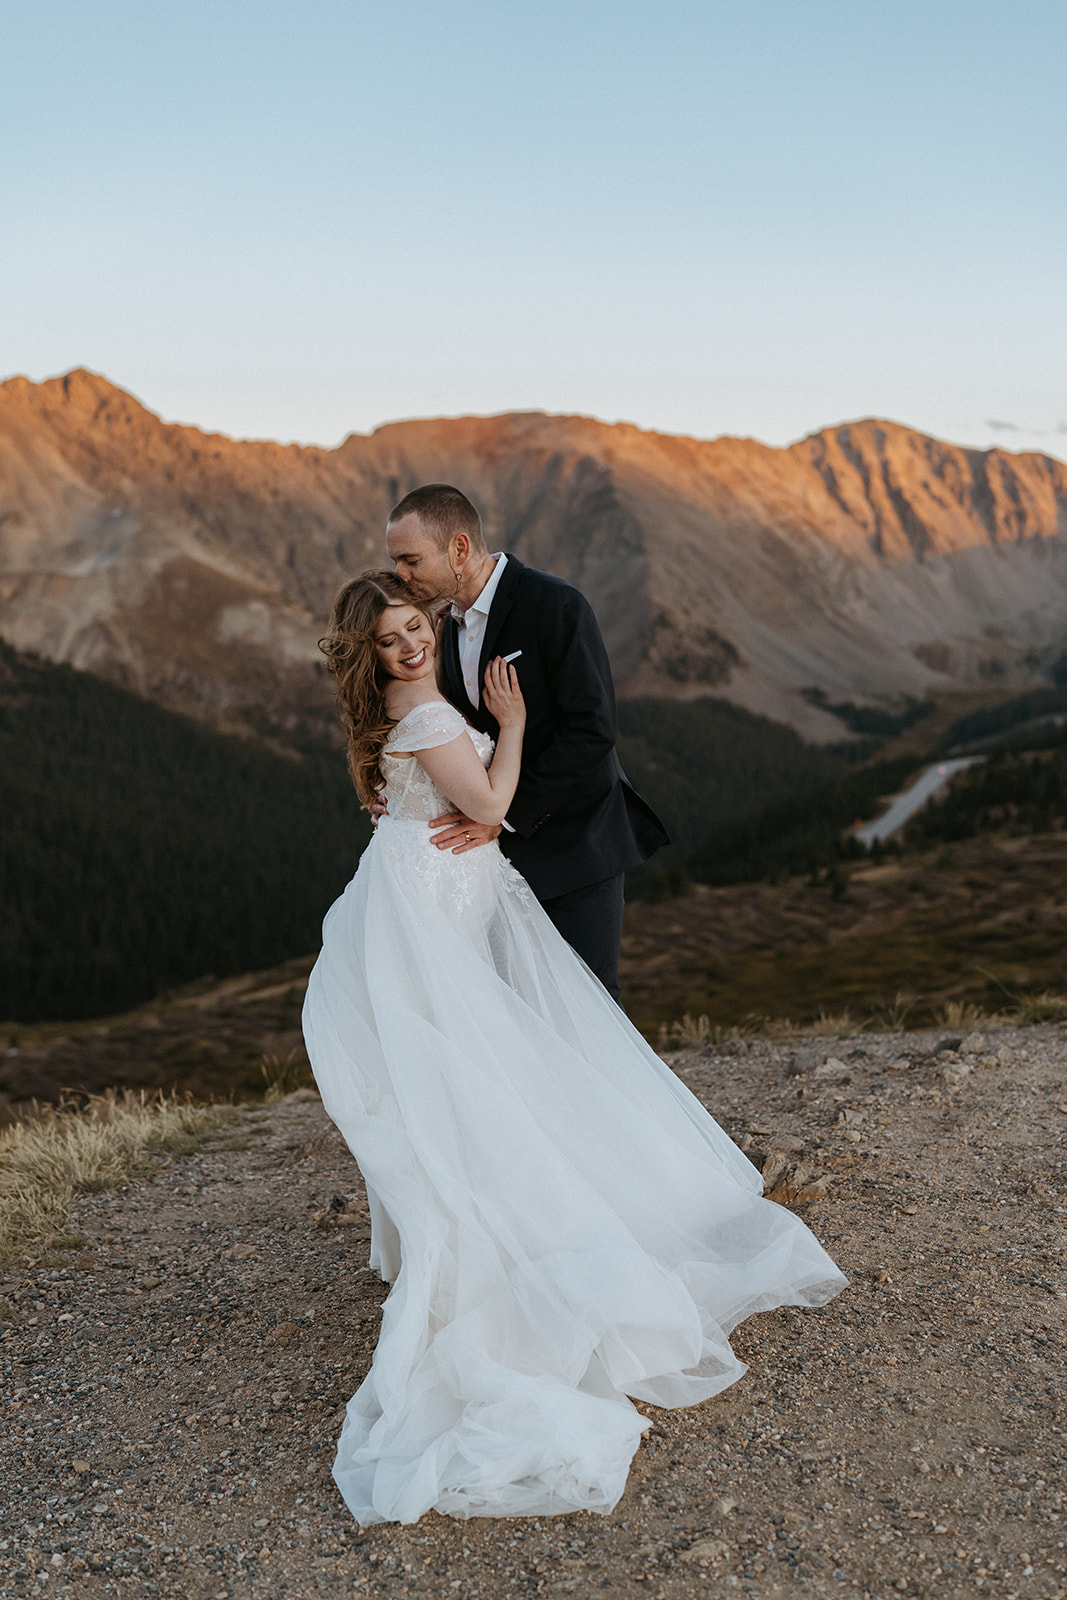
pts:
pixel 410 794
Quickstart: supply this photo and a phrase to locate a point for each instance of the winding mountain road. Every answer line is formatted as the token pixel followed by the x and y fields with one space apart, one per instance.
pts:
pixel 905 805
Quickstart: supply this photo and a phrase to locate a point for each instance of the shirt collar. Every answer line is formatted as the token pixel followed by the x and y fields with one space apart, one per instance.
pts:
pixel 485 599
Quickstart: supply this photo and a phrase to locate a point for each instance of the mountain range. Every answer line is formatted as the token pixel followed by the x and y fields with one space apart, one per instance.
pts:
pixel 867 561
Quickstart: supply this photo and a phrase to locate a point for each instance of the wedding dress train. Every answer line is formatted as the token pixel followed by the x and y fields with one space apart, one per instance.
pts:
pixel 564 1225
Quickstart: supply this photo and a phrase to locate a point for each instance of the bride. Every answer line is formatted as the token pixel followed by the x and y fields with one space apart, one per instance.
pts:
pixel 565 1227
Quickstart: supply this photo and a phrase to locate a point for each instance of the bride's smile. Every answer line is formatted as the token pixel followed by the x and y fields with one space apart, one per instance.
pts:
pixel 405 643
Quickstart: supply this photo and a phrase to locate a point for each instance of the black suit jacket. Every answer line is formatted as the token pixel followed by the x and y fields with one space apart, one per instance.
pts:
pixel 576 819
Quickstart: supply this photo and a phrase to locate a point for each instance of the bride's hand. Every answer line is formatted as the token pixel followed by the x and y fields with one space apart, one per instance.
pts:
pixel 503 697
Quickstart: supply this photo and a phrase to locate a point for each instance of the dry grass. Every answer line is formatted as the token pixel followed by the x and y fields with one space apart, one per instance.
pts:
pixel 834 1025
pixel 285 1074
pixel 62 1152
pixel 687 1030
pixel 962 1014
pixel 1045 1007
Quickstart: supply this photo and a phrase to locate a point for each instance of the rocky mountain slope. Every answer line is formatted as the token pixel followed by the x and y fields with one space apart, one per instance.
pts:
pixel 867 561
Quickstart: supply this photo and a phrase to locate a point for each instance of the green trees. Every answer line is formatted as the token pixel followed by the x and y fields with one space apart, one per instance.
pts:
pixel 803 832
pixel 139 850
pixel 1007 717
pixel 702 764
pixel 1015 790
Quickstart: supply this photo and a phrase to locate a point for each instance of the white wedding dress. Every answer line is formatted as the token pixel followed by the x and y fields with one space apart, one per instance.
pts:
pixel 563 1223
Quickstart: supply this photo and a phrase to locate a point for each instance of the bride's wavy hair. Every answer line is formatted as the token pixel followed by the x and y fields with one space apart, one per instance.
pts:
pixel 351 652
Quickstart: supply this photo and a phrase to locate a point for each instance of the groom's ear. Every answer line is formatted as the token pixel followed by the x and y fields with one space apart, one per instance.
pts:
pixel 461 548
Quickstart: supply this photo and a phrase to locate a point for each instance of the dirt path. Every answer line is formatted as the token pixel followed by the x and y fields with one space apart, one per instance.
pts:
pixel 172 1394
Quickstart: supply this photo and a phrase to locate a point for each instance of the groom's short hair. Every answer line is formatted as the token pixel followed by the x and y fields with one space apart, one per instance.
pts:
pixel 443 512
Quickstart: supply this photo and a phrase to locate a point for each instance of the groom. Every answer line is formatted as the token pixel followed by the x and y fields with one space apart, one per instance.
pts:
pixel 575 825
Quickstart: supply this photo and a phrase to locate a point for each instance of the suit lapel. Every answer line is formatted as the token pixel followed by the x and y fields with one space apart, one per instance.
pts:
pixel 453 676
pixel 503 601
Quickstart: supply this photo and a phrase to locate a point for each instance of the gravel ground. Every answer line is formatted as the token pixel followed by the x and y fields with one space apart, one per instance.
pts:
pixel 174 1390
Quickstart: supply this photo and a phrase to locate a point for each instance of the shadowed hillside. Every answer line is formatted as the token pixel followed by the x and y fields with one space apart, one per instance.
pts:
pixel 140 849
pixel 982 925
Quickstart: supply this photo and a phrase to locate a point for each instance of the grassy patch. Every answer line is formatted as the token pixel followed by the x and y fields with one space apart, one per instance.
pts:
pixel 904 977
pixel 937 940
pixel 207 1042
pixel 48 1160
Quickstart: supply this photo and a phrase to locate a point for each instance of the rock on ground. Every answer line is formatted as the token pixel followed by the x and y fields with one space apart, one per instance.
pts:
pixel 174 1390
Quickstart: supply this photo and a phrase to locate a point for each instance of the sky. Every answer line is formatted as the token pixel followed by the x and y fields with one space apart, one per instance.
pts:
pixel 295 219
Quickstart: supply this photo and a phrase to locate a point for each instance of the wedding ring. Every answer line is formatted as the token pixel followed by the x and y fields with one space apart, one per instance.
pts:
pixel 467 837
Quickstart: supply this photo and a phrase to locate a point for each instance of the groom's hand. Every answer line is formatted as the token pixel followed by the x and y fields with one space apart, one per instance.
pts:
pixel 461 834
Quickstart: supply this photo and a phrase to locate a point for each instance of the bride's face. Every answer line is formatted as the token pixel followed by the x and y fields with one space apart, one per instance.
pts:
pixel 405 642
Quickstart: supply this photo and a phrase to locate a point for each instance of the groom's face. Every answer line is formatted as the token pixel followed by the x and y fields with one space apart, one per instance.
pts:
pixel 426 569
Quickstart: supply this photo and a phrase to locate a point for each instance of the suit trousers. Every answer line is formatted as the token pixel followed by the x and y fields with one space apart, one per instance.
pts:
pixel 590 920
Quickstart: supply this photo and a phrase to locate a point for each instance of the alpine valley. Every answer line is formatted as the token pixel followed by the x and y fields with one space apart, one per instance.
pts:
pixel 793 631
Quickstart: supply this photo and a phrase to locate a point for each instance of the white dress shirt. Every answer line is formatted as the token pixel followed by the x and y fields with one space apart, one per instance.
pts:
pixel 471 629
pixel 470 626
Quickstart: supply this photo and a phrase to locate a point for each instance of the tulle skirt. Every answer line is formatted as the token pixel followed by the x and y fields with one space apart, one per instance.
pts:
pixel 564 1225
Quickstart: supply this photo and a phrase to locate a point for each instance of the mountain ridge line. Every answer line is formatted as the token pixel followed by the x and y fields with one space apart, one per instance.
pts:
pixel 866 560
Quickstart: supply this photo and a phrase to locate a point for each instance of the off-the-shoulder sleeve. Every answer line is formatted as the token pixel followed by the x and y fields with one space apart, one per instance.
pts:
pixel 434 722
